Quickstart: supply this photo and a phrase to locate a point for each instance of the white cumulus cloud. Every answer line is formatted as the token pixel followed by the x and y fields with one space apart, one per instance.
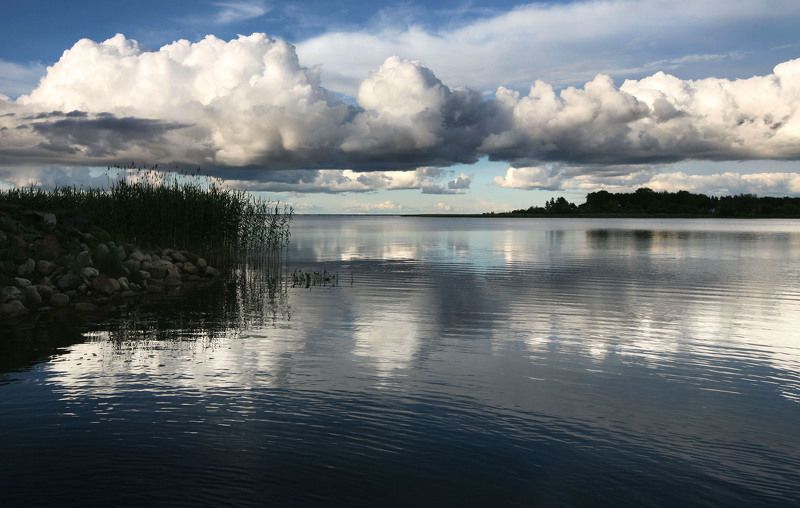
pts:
pixel 248 108
pixel 249 102
pixel 658 118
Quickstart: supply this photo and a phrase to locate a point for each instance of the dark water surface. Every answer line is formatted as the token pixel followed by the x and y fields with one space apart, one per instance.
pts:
pixel 461 362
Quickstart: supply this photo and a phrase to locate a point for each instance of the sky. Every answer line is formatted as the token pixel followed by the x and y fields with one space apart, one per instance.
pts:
pixel 405 107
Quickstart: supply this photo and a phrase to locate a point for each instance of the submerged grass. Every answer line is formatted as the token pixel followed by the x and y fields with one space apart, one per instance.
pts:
pixel 152 208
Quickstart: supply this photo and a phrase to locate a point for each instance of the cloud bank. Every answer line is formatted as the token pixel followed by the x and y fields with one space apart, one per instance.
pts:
pixel 428 180
pixel 247 109
pixel 245 102
pixel 557 178
pixel 564 43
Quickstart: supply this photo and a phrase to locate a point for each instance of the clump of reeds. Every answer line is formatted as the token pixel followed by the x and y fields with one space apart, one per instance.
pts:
pixel 180 210
pixel 307 279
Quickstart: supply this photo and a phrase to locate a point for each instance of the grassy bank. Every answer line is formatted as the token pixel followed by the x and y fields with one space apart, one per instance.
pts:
pixel 144 232
pixel 153 209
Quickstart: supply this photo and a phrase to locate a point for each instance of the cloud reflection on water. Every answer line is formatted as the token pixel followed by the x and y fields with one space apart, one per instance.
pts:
pixel 664 340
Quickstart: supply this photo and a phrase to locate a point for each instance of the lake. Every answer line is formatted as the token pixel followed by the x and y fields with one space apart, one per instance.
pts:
pixel 460 362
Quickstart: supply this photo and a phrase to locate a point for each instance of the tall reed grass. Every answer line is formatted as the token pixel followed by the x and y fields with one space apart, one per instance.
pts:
pixel 184 210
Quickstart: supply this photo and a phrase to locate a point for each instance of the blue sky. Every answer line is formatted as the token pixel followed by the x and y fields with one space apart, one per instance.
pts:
pixel 40 30
pixel 475 45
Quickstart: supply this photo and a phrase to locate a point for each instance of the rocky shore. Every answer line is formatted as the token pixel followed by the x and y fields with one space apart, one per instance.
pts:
pixel 49 262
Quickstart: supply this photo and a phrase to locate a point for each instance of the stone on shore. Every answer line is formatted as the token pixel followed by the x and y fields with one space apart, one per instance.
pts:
pixel 49 247
pixel 26 269
pixel 102 251
pixel 32 296
pixel 59 300
pixel 106 285
pixel 52 262
pixel 158 269
pixel 118 252
pixel 132 265
pixel 84 259
pixel 68 281
pixel 45 267
pixel 45 291
pixel 90 272
pixel 21 283
pixel 10 293
pixel 137 255
pixel 13 308
pixel 47 218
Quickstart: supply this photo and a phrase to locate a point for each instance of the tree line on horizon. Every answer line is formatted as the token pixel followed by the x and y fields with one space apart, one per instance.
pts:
pixel 647 202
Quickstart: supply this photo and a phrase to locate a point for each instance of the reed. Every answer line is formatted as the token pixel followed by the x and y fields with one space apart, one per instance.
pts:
pixel 179 210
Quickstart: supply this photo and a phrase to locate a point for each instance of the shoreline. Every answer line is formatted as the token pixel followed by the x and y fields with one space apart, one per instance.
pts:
pixel 51 264
pixel 586 216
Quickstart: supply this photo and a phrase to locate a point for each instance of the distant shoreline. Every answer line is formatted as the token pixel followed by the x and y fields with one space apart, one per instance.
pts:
pixel 585 216
pixel 504 215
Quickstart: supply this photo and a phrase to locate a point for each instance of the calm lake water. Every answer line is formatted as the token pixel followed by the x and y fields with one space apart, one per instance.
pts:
pixel 460 362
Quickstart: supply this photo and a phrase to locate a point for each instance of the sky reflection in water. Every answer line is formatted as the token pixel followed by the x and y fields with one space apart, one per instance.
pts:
pixel 534 362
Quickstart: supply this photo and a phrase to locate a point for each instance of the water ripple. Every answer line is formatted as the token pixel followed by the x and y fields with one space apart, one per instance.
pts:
pixel 466 362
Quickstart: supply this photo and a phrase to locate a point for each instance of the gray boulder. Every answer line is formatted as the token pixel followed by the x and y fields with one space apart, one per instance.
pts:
pixel 133 265
pixel 13 308
pixel 45 267
pixel 59 300
pixel 137 255
pixel 47 218
pixel 45 291
pixel 32 296
pixel 90 272
pixel 170 282
pixel 106 285
pixel 119 252
pixel 159 269
pixel 26 269
pixel 102 251
pixel 68 281
pixel 21 283
pixel 10 293
pixel 84 259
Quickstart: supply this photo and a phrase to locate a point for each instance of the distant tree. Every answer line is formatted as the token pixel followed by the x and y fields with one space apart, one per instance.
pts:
pixel 647 202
